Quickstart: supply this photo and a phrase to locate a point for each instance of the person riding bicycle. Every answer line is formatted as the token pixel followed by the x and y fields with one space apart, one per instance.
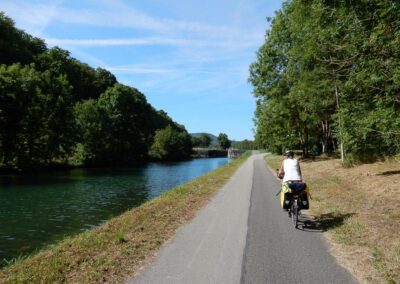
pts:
pixel 290 173
pixel 290 168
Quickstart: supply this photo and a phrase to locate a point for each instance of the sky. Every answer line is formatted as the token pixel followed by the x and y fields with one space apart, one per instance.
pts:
pixel 189 58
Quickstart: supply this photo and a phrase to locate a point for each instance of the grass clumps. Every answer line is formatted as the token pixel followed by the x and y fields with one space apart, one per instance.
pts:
pixel 118 249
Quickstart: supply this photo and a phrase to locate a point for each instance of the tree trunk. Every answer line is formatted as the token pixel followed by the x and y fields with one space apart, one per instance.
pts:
pixel 305 142
pixel 323 142
pixel 327 141
pixel 325 136
pixel 340 124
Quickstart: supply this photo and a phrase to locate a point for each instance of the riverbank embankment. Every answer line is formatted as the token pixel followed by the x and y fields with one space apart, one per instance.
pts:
pixel 112 252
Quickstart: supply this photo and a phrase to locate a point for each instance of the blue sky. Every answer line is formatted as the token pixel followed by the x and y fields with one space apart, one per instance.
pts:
pixel 190 58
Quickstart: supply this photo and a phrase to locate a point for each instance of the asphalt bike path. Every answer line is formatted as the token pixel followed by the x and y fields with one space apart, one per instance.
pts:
pixel 277 252
pixel 243 236
pixel 209 249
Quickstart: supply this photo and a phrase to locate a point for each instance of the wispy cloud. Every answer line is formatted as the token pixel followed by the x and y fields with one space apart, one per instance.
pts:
pixel 120 15
pixel 139 70
pixel 35 16
pixel 186 82
pixel 128 41
pixel 148 41
pixel 88 58
pixel 183 70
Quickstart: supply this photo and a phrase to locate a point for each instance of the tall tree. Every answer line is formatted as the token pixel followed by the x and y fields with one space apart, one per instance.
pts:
pixel 35 117
pixel 171 144
pixel 224 141
pixel 205 140
pixel 112 127
pixel 326 74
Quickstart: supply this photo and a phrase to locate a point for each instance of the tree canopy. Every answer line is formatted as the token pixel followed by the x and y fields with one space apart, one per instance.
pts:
pixel 56 109
pixel 327 79
pixel 171 144
pixel 224 141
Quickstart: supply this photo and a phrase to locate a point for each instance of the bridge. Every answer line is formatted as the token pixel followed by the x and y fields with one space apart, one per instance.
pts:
pixel 234 153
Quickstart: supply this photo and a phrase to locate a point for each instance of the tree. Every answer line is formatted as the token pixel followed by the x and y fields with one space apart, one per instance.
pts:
pixel 16 46
pixel 223 141
pixel 92 145
pixel 18 95
pixel 87 82
pixel 244 145
pixel 36 119
pixel 58 137
pixel 326 75
pixel 113 128
pixel 171 145
pixel 56 109
pixel 196 141
pixel 205 140
pixel 103 80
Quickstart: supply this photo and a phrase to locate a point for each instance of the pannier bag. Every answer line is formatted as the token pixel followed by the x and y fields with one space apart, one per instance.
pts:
pixel 290 187
pixel 287 201
pixel 304 204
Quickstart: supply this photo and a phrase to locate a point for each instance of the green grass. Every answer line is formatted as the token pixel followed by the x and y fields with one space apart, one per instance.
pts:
pixel 116 250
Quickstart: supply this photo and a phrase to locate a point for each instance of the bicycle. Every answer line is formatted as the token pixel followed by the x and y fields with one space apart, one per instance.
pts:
pixel 295 209
pixel 294 197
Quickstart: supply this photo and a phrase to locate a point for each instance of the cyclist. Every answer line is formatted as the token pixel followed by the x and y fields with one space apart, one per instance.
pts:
pixel 291 173
pixel 290 168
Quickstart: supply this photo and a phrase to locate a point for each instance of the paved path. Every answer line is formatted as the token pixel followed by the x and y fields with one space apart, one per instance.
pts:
pixel 233 241
pixel 276 252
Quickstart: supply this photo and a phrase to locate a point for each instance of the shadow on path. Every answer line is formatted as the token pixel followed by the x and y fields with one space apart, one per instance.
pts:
pixel 323 222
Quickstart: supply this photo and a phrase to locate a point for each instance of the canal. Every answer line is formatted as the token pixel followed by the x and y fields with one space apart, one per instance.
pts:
pixel 40 210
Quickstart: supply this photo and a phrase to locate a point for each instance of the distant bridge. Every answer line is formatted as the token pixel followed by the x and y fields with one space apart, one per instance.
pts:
pixel 234 153
pixel 209 153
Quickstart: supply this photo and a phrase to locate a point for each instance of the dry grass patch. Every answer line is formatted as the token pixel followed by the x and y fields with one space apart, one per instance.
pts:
pixel 118 249
pixel 273 161
pixel 359 208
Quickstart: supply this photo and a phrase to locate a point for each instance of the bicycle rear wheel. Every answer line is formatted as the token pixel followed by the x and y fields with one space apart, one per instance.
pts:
pixel 295 213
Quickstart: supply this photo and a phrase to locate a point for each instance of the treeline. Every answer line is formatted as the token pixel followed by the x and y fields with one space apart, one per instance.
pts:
pixel 205 140
pixel 327 79
pixel 244 145
pixel 55 109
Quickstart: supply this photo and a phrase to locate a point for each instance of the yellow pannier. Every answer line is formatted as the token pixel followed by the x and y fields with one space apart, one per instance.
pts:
pixel 290 187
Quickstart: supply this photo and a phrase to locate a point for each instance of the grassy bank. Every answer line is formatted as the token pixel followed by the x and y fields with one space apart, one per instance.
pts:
pixel 116 250
pixel 358 208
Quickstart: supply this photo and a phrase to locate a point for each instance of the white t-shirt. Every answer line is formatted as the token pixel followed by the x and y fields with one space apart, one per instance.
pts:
pixel 292 170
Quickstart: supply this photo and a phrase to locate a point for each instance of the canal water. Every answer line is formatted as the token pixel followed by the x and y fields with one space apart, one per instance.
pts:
pixel 40 210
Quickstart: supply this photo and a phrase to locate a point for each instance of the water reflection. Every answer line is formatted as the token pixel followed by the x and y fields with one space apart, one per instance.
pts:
pixel 42 209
